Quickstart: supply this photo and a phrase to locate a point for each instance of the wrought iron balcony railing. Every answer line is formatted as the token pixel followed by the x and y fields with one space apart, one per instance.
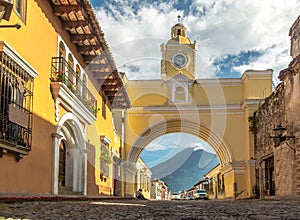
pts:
pixel 62 72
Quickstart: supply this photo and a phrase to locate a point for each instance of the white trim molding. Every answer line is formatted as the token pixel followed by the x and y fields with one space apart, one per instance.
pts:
pixel 8 50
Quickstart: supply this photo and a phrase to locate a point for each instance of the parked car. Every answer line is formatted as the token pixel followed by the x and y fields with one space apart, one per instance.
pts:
pixel 175 196
pixel 182 197
pixel 189 197
pixel 200 194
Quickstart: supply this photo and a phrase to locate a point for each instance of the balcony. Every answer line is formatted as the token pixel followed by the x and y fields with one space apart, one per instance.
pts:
pixel 67 85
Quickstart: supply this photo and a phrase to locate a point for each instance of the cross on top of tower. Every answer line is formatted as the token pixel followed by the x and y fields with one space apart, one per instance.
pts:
pixel 179 18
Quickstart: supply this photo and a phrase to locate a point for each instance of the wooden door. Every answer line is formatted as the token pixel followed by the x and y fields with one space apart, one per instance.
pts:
pixel 62 164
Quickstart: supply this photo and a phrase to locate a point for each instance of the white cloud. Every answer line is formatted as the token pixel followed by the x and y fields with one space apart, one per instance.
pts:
pixel 220 27
pixel 230 27
pixel 177 142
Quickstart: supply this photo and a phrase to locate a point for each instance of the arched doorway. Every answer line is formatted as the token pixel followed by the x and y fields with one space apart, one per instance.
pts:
pixel 69 163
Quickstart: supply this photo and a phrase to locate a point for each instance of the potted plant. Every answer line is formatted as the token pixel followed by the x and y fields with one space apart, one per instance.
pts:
pixel 60 180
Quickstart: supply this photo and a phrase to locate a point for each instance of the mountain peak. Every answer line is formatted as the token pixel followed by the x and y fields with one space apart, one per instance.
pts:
pixel 185 169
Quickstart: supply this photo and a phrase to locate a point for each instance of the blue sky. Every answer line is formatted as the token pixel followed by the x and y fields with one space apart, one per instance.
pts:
pixel 232 36
pixel 169 145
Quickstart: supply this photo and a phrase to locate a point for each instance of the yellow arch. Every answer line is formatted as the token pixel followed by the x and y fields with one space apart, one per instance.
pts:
pixel 176 125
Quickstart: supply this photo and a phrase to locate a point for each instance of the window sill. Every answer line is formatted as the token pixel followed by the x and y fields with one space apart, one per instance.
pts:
pixel 6 146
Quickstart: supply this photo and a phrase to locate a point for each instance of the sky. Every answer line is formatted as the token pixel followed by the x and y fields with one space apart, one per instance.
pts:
pixel 232 36
pixel 167 146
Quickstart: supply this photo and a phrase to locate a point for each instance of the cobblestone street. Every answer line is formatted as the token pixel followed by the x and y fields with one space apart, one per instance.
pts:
pixel 135 209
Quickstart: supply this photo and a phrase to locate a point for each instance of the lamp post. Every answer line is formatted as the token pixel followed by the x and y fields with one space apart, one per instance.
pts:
pixel 5 12
pixel 279 135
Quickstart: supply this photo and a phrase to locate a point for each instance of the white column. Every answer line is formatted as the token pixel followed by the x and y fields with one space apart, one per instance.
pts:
pixel 55 162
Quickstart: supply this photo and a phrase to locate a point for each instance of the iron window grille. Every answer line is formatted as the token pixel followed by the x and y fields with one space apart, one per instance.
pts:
pixel 16 93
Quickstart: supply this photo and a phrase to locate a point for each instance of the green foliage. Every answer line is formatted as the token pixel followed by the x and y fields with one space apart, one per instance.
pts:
pixel 105 156
pixel 252 124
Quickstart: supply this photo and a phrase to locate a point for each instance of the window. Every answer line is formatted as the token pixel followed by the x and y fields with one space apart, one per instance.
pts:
pixel 62 50
pixel 84 88
pixel 77 82
pixel 105 158
pixel 20 7
pixel 15 102
pixel 180 93
pixel 70 73
pixel 103 107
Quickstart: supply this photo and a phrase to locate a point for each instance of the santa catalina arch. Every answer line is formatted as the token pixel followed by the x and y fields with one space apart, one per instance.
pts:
pixel 216 110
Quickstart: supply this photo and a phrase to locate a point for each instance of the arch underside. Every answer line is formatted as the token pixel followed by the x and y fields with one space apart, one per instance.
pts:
pixel 175 125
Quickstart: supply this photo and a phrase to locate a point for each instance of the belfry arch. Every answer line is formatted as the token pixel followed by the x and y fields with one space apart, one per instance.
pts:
pixel 176 125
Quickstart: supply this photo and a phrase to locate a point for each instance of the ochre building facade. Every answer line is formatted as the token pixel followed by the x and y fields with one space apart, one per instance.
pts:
pixel 59 84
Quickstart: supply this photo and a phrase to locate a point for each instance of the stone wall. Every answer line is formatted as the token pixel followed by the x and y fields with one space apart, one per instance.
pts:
pixel 282 107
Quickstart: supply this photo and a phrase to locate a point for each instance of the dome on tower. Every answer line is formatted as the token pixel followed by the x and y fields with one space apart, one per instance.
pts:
pixel 178 33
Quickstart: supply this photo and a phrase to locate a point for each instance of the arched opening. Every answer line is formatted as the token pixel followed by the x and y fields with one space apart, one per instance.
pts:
pixel 71 73
pixel 180 93
pixel 180 160
pixel 62 50
pixel 202 131
pixel 69 159
pixel 84 87
pixel 78 79
pixel 223 155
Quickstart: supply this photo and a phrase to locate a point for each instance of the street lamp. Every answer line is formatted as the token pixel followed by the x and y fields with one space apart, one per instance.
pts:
pixel 5 12
pixel 280 135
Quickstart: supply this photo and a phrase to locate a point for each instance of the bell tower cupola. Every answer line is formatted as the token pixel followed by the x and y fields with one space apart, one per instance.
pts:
pixel 178 30
pixel 179 55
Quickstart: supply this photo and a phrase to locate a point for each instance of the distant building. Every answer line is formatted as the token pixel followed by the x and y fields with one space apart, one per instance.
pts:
pixel 159 190
pixel 215 186
pixel 143 178
pixel 190 192
pixel 202 184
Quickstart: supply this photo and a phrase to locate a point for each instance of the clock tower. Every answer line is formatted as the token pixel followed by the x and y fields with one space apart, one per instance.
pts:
pixel 179 55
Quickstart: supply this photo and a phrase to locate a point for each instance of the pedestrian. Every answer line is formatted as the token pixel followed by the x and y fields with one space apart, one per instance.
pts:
pixel 139 194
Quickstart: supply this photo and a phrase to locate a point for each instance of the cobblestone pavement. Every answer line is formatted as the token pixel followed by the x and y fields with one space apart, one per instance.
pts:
pixel 135 209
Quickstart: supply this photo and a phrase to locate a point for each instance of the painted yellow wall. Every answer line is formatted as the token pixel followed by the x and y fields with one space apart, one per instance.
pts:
pixel 222 105
pixel 37 48
pixel 37 42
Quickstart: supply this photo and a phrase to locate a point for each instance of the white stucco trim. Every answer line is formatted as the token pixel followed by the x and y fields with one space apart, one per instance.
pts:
pixel 8 50
pixel 70 119
pixel 71 103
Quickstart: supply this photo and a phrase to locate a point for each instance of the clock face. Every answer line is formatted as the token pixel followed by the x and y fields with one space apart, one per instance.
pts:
pixel 179 60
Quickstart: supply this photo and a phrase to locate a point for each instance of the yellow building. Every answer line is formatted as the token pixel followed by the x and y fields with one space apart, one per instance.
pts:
pixel 59 84
pixel 143 178
pixel 216 110
pixel 214 183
